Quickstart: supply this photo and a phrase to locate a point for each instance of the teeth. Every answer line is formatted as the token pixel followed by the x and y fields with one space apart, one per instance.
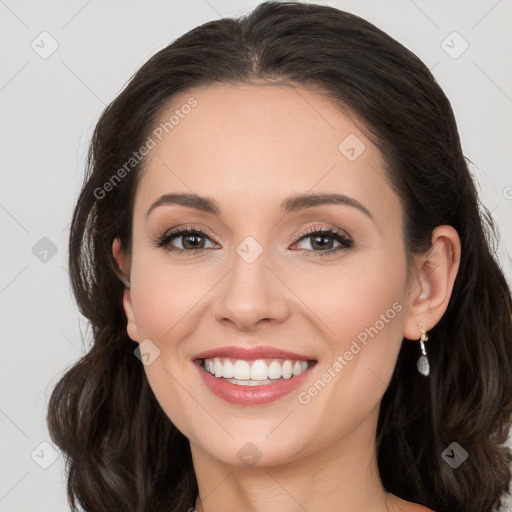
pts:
pixel 252 373
pixel 251 382
pixel 287 369
pixel 242 370
pixel 228 371
pixel 259 370
pixel 274 370
pixel 218 368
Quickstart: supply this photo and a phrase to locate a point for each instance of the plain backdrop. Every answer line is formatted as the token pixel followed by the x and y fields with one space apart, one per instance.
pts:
pixel 62 62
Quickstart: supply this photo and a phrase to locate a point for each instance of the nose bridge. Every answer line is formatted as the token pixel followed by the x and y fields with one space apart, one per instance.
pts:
pixel 251 292
pixel 250 260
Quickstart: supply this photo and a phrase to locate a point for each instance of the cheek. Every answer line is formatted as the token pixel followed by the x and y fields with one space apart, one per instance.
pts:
pixel 363 311
pixel 370 305
pixel 356 297
pixel 362 307
pixel 164 296
pixel 370 325
pixel 163 302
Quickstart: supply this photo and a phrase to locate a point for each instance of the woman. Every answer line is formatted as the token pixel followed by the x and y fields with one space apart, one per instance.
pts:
pixel 294 303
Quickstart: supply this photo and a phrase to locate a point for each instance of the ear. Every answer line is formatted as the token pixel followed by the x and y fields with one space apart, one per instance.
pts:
pixel 431 287
pixel 119 256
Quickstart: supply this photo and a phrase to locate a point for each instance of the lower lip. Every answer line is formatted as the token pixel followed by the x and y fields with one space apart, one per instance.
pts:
pixel 250 395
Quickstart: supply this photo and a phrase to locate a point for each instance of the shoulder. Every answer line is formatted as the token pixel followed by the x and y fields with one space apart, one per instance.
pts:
pixel 414 507
pixel 409 506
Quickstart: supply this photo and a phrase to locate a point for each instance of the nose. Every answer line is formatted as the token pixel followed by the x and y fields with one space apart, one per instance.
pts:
pixel 252 295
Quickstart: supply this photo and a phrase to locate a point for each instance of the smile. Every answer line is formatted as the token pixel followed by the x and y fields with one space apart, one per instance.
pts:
pixel 252 376
pixel 254 373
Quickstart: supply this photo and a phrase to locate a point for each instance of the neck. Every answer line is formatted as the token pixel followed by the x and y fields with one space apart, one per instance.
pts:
pixel 342 476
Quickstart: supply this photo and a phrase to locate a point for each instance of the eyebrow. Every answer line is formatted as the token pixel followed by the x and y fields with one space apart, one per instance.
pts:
pixel 289 205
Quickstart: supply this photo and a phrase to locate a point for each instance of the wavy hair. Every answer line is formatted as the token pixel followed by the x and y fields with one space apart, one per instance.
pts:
pixel 121 451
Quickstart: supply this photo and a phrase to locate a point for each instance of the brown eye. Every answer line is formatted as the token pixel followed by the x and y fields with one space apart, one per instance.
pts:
pixel 192 240
pixel 322 240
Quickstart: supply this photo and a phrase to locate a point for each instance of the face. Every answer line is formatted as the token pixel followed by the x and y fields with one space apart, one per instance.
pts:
pixel 264 276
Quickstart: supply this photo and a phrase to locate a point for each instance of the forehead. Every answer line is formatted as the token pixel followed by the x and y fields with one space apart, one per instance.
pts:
pixel 250 144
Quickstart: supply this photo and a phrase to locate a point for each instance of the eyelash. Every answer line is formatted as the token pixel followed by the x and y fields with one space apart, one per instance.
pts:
pixel 345 241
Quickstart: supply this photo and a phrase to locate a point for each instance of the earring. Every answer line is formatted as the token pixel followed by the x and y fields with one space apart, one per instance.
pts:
pixel 422 364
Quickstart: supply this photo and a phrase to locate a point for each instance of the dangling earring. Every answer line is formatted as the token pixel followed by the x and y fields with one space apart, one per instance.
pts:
pixel 422 364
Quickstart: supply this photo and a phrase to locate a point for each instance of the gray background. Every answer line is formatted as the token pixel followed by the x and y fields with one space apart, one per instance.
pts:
pixel 49 105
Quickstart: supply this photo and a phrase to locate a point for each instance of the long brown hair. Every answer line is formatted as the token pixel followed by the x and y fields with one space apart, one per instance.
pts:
pixel 122 452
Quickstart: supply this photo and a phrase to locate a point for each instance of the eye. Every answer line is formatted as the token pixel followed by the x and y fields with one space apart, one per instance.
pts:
pixel 193 240
pixel 323 238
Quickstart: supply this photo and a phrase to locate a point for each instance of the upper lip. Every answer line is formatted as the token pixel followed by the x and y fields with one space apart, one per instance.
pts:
pixel 250 353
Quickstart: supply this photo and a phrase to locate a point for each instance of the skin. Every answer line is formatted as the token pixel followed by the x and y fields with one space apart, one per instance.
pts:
pixel 250 147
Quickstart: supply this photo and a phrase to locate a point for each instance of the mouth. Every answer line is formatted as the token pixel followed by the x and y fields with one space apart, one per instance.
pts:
pixel 258 372
pixel 252 377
